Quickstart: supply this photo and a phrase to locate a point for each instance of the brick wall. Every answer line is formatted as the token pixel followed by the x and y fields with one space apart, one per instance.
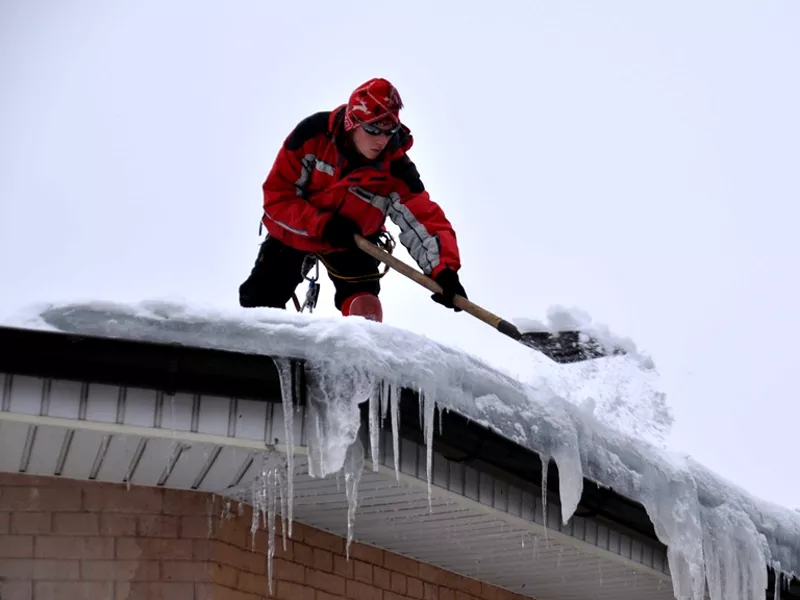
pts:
pixel 70 540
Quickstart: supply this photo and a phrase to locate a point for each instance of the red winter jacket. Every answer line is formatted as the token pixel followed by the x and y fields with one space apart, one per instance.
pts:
pixel 314 176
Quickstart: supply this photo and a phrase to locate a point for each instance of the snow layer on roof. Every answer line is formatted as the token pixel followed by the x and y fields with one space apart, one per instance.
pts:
pixel 718 535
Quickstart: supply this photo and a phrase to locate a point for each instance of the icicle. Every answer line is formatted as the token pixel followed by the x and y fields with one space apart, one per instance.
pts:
pixel 394 397
pixel 268 489
pixel 429 407
pixel 284 498
pixel 353 467
pixel 284 367
pixel 777 568
pixel 374 428
pixel 335 392
pixel 384 387
pixel 271 529
pixel 545 463
pixel 734 554
pixel 210 529
pixel 254 521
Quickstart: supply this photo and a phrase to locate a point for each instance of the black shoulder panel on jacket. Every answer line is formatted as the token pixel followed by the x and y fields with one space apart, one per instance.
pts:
pixel 406 171
pixel 308 128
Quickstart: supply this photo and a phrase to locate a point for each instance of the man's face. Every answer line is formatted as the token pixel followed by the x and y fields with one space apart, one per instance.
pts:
pixel 370 140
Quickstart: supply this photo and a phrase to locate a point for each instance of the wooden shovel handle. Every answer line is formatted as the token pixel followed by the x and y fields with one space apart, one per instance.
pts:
pixel 466 305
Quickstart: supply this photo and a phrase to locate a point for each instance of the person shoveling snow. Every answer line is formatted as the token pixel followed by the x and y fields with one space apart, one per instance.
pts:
pixel 336 178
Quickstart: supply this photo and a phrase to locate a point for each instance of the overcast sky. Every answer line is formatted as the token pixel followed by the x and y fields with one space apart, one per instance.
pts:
pixel 636 159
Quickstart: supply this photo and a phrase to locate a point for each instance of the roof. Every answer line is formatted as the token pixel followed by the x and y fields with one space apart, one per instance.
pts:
pixel 471 461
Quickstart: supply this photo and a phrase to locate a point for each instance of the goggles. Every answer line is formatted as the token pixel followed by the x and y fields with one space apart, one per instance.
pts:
pixel 373 129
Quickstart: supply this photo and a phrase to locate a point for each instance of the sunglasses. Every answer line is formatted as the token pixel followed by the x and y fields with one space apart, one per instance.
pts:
pixel 375 130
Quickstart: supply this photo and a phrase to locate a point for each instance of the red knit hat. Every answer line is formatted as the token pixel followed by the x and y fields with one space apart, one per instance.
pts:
pixel 375 101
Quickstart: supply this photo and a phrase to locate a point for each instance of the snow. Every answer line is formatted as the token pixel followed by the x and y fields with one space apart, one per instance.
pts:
pixel 718 535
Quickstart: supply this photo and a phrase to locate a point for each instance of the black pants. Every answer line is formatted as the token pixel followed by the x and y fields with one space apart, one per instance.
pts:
pixel 277 273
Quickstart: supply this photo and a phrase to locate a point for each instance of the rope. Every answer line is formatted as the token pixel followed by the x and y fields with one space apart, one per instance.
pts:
pixel 384 241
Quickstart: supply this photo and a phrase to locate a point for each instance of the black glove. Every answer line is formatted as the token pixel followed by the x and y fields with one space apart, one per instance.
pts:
pixel 448 280
pixel 339 232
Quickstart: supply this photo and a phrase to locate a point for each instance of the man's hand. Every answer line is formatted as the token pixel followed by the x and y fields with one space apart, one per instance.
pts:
pixel 448 280
pixel 339 232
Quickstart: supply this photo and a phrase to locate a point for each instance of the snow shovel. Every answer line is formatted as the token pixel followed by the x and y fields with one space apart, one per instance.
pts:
pixel 562 347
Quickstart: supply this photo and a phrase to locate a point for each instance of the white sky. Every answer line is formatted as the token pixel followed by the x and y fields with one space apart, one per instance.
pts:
pixel 636 159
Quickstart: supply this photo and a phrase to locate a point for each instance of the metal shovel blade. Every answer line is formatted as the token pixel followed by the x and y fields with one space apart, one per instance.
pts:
pixel 567 347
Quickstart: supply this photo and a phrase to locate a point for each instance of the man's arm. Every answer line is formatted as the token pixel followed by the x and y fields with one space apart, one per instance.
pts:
pixel 285 206
pixel 424 229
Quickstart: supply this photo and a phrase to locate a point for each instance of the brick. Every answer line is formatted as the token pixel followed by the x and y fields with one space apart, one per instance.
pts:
pixel 13 569
pixel 232 532
pixel 30 522
pixel 327 596
pixel 362 571
pixel 56 570
pixel 317 538
pixel 431 591
pixel 120 570
pixel 202 549
pixel 253 584
pixel 287 571
pixel 185 570
pixel 121 499
pixel 196 527
pixel 489 592
pixel 16 546
pixel 298 531
pixel 415 588
pixel 26 480
pixel 40 499
pixel 158 526
pixel 72 590
pixel 398 583
pixel 323 560
pixel 180 502
pixel 362 591
pixel 369 554
pixel 394 596
pixel 430 574
pixel 153 591
pixel 153 548
pixel 224 575
pixel 252 562
pixel 260 541
pixel 446 593
pixel 285 590
pixel 5 520
pixel 401 564
pixel 207 591
pixel 117 524
pixel 303 554
pixel 16 590
pixel 226 554
pixel 64 546
pixel 343 567
pixel 382 578
pixel 76 524
pixel 460 595
pixel 325 581
pixel 465 584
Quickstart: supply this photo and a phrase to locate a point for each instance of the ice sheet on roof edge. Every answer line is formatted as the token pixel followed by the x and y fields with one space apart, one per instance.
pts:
pixel 716 533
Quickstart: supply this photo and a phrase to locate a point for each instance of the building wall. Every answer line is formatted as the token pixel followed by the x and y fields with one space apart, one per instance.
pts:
pixel 73 540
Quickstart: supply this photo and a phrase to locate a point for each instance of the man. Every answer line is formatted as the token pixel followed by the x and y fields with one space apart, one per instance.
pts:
pixel 339 173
